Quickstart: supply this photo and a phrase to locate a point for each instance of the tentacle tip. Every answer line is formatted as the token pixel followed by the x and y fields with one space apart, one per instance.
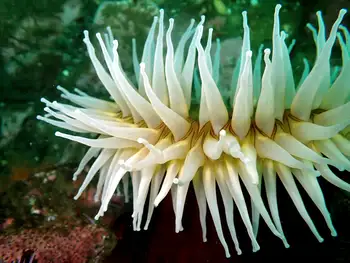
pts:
pixel 86 34
pixel 141 140
pixel 142 67
pixel 267 51
pixel 309 25
pixel 343 11
pixel 256 250
pixel 334 233
pixel 44 100
pixel 222 133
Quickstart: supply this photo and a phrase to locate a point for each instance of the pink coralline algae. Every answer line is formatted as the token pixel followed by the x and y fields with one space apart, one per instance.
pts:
pixel 71 245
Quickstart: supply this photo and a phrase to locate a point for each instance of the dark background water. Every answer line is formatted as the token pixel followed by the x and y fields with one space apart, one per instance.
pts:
pixel 41 46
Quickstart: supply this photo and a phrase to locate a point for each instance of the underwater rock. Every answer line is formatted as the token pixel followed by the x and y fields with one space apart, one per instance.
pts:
pixel 11 123
pixel 74 244
pixel 46 218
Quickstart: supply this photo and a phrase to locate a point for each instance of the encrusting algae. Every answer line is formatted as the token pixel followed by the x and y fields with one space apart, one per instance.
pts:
pixel 268 126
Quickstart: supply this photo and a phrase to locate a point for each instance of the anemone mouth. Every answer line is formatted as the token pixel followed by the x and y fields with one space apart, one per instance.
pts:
pixel 272 128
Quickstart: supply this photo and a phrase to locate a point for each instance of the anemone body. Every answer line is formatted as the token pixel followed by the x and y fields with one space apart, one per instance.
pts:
pixel 267 128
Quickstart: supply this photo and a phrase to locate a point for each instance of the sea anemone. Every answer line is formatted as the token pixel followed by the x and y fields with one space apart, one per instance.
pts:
pixel 265 126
